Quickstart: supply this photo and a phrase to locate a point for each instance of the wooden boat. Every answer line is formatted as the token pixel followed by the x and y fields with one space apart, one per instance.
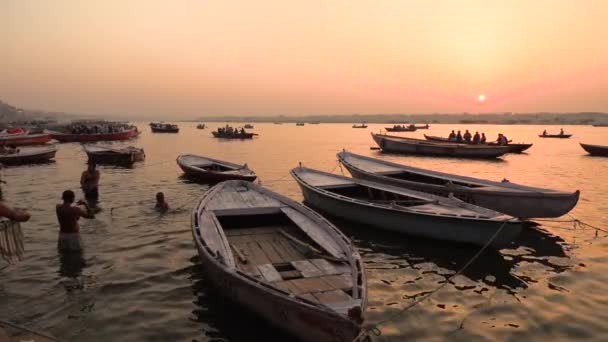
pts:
pixel 400 128
pixel 248 126
pixel 200 126
pixel 299 124
pixel 212 170
pixel 558 136
pixel 595 150
pixel 513 148
pixel 29 156
pixel 422 126
pixel 24 139
pixel 121 156
pixel 403 210
pixel 234 135
pixel 160 127
pixel 280 260
pixel 505 197
pixel 90 137
pixel 395 144
pixel 363 125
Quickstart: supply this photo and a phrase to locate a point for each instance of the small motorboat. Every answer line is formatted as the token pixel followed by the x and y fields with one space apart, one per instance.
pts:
pixel 595 150
pixel 558 136
pixel 233 135
pixel 24 139
pixel 248 126
pixel 401 128
pixel 362 125
pixel 99 154
pixel 405 211
pixel 513 147
pixel 31 155
pixel 280 260
pixel 200 126
pixel 505 197
pixel 161 127
pixel 209 170
pixel 396 144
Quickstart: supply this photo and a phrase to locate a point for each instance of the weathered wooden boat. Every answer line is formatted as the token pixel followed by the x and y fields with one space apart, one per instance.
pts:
pixel 558 136
pixel 24 139
pixel 400 128
pixel 363 125
pixel 233 135
pixel 91 137
pixel 161 127
pixel 248 126
pixel 212 170
pixel 595 150
pixel 513 147
pixel 405 211
pixel 505 197
pixel 29 156
pixel 280 260
pixel 395 144
pixel 200 126
pixel 121 156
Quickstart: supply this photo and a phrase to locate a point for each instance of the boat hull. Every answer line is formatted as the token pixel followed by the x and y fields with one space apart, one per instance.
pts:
pixel 396 145
pixel 231 136
pixel 212 177
pixel 556 136
pixel 25 139
pixel 164 130
pixel 124 135
pixel 43 156
pixel 596 150
pixel 519 205
pixel 513 148
pixel 461 230
pixel 391 129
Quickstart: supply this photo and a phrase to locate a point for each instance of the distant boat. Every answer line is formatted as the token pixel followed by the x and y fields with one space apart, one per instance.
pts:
pixel 600 125
pixel 29 156
pixel 505 197
pixel 558 136
pixel 595 150
pixel 236 134
pixel 405 211
pixel 160 127
pixel 24 139
pixel 362 125
pixel 396 144
pixel 299 124
pixel 248 126
pixel 314 122
pixel 200 126
pixel 513 148
pixel 212 170
pixel 118 156
pixel 281 260
pixel 401 128
pixel 422 126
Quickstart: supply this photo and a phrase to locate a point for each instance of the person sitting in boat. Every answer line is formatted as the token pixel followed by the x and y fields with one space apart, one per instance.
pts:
pixel 242 131
pixel 161 205
pixel 68 216
pixel 452 136
pixel 89 181
pixel 561 131
pixel 502 140
pixel 476 138
pixel 13 214
pixel 544 132
pixel 483 138
pixel 459 136
pixel 467 136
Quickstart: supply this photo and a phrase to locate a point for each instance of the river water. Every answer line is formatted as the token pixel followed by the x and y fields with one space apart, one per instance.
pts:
pixel 138 277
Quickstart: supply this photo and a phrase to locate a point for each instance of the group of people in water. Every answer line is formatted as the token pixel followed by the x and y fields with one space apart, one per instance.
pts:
pixel 476 138
pixel 69 213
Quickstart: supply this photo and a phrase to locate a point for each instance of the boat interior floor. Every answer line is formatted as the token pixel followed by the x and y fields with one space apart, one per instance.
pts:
pixel 282 255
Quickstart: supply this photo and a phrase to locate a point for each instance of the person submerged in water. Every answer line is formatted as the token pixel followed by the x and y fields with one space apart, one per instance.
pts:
pixel 68 216
pixel 161 205
pixel 89 181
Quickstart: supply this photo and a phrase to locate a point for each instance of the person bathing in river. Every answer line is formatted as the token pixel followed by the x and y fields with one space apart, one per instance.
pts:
pixel 68 216
pixel 161 205
pixel 89 181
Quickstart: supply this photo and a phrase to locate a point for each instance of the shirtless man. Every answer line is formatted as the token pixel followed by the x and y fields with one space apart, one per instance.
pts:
pixel 68 215
pixel 13 214
pixel 89 181
pixel 161 205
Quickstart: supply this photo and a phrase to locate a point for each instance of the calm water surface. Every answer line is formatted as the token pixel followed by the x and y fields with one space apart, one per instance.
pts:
pixel 138 277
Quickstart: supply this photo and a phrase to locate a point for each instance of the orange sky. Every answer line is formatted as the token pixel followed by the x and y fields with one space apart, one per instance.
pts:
pixel 193 58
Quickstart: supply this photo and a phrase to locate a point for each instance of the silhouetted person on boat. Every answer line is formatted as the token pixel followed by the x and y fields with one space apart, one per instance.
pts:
pixel 89 181
pixel 452 136
pixel 502 140
pixel 545 132
pixel 242 131
pixel 68 216
pixel 458 136
pixel 483 138
pixel 467 136
pixel 13 214
pixel 561 131
pixel 161 205
pixel 476 138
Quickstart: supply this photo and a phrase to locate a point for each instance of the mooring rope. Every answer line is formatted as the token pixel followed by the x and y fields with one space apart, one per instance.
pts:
pixel 374 329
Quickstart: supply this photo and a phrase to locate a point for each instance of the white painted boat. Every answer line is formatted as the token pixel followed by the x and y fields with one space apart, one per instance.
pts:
pixel 406 211
pixel 281 260
pixel 396 144
pixel 505 197
pixel 210 170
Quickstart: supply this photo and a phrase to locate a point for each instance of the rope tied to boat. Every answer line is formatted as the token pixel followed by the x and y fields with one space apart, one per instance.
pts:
pixel 375 328
pixel 578 224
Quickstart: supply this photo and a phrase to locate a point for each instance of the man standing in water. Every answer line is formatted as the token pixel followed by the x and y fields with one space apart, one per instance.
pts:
pixel 89 181
pixel 68 216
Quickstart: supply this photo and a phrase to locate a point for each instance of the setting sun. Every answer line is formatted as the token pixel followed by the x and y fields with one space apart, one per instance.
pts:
pixel 481 98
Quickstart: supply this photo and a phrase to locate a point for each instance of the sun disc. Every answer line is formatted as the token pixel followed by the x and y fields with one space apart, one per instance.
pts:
pixel 481 98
